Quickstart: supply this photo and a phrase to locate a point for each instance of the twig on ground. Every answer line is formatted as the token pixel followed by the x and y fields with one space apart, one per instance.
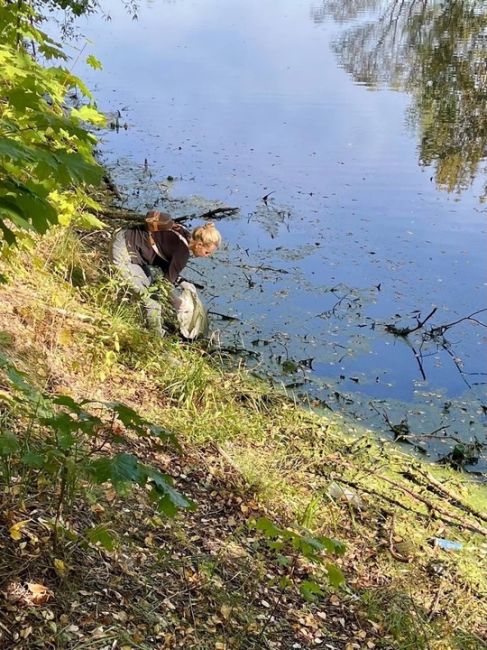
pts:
pixel 434 603
pixel 433 507
pixel 440 488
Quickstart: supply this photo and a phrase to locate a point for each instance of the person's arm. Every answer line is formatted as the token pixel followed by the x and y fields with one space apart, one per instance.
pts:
pixel 177 263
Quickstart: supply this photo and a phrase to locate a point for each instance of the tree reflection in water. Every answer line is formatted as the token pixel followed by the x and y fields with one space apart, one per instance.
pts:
pixel 437 52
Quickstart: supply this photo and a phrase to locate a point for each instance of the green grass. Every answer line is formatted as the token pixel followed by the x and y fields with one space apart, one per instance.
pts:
pixel 76 329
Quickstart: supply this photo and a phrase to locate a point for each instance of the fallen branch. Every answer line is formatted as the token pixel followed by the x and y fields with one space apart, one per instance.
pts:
pixel 419 361
pixel 385 497
pixel 260 268
pixel 218 213
pixel 236 350
pixel 400 504
pixel 435 602
pixel 446 516
pixel 426 436
pixel 224 316
pixel 442 490
pixel 402 433
pixel 404 331
pixel 110 184
pixel 122 215
pixel 441 329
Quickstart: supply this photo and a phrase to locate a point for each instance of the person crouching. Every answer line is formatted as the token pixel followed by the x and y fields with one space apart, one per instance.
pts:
pixel 142 253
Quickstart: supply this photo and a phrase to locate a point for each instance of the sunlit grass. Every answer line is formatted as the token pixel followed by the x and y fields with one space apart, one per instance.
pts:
pixel 79 330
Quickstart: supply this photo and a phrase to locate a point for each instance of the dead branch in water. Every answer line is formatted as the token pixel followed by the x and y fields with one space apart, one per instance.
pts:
pixel 122 215
pixel 133 215
pixel 404 331
pixel 224 316
pixel 216 213
pixel 441 329
pixel 435 335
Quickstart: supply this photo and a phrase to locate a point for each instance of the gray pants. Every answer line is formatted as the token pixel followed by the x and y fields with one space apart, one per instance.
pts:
pixel 138 279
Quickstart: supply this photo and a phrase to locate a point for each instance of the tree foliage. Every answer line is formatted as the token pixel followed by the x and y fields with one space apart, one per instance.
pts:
pixel 46 150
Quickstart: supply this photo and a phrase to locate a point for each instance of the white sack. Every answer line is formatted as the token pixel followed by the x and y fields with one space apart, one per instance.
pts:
pixel 190 312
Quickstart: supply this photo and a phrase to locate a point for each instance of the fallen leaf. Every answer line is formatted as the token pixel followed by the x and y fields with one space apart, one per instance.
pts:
pixel 40 594
pixel 27 631
pixel 16 530
pixel 60 567
pixel 65 337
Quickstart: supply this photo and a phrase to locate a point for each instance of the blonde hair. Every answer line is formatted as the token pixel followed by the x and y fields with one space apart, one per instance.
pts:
pixel 207 235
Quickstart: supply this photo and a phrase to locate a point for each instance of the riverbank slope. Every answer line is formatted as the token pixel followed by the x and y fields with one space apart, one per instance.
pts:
pixel 277 489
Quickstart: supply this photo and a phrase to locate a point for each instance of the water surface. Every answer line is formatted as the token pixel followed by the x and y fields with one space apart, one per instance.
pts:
pixel 374 214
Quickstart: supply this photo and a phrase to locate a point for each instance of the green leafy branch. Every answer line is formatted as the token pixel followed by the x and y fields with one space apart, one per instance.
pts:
pixel 58 438
pixel 285 541
pixel 46 149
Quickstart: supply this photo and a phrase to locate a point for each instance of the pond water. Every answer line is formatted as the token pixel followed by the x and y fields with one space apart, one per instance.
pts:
pixel 364 125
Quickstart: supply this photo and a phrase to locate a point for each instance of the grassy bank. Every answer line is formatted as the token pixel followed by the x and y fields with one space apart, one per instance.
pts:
pixel 208 578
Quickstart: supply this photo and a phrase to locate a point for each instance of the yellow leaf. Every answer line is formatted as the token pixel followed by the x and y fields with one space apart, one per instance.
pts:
pixel 60 567
pixel 64 337
pixel 16 530
pixel 26 632
pixel 225 611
